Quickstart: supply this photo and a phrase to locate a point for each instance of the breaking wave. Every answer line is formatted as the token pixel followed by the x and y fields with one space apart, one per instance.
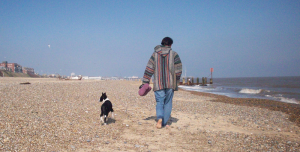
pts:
pixel 287 100
pixel 283 99
pixel 250 91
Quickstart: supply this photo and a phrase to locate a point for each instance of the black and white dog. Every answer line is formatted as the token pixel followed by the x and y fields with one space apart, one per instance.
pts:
pixel 105 108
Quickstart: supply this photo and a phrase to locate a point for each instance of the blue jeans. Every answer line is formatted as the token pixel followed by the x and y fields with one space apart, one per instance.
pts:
pixel 164 104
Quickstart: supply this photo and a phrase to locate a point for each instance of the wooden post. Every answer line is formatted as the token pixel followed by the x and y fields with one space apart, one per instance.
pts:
pixel 211 79
pixel 192 81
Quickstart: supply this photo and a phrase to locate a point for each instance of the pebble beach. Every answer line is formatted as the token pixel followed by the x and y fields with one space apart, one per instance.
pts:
pixel 48 114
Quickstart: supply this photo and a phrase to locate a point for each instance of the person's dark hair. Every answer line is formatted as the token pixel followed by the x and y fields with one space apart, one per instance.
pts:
pixel 167 41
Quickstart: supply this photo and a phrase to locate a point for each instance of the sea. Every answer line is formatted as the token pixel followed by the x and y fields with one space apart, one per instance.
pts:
pixel 284 89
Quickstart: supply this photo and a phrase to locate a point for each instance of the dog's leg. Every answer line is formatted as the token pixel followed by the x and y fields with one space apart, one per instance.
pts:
pixel 104 119
pixel 101 117
pixel 112 114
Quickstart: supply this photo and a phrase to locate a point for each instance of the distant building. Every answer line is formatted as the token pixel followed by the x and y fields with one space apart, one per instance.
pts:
pixel 15 67
pixel 134 78
pixel 28 70
pixel 52 75
pixel 95 78
pixel 3 65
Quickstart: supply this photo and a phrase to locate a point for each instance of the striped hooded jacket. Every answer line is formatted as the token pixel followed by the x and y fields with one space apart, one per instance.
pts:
pixel 166 67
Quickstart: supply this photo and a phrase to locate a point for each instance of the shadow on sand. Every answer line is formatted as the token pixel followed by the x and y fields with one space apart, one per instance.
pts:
pixel 109 121
pixel 171 120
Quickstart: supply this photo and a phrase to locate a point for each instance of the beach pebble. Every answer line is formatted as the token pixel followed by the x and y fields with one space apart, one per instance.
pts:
pixel 279 129
pixel 6 140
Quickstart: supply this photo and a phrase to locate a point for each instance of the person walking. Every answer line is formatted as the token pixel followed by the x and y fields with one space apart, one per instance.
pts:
pixel 166 67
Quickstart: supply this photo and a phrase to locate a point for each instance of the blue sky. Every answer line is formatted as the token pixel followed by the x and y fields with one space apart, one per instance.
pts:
pixel 117 37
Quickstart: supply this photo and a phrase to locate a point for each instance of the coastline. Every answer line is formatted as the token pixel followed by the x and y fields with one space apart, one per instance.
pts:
pixel 293 110
pixel 48 114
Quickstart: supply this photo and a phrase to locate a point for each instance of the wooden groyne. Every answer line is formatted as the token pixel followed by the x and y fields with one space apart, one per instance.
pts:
pixel 190 81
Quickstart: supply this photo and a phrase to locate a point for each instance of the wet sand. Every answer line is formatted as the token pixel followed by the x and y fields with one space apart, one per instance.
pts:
pixel 63 115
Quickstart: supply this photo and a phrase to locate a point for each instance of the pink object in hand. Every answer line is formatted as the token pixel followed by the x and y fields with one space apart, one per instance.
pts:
pixel 145 89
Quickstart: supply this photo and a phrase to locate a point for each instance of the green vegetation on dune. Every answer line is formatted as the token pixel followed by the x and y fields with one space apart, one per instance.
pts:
pixel 12 74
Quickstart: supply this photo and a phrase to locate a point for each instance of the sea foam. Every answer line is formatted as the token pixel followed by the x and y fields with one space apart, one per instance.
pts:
pixel 250 91
pixel 287 100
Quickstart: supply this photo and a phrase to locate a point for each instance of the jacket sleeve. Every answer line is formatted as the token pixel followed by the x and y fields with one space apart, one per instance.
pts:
pixel 149 70
pixel 178 67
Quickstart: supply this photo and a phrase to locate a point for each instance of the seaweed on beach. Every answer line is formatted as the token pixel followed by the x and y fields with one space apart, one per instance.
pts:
pixel 25 83
pixel 293 110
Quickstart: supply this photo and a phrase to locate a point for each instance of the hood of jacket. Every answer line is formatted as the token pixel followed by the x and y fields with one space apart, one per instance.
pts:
pixel 162 50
